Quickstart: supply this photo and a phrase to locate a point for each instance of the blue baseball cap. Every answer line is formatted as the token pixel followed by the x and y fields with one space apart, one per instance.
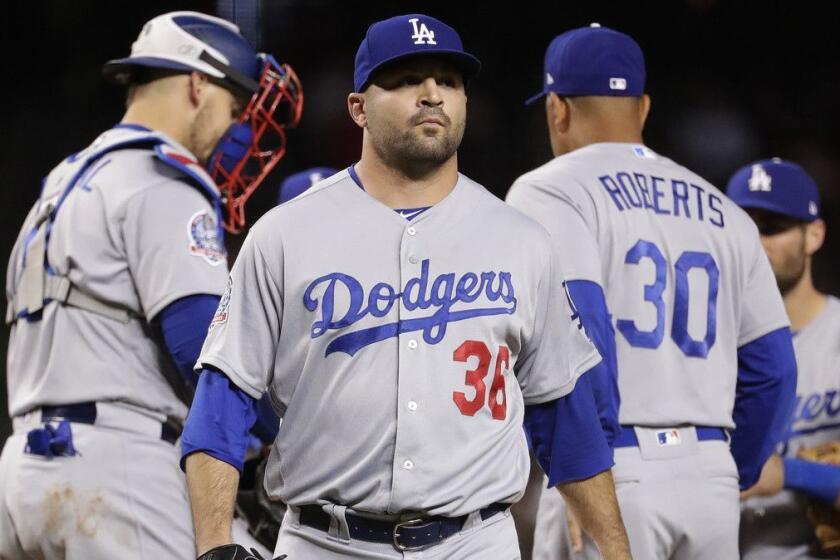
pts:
pixel 778 186
pixel 410 35
pixel 295 184
pixel 593 60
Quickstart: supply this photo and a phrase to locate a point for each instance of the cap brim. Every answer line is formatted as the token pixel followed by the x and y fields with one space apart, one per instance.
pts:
pixel 469 65
pixel 115 70
pixel 535 98
pixel 769 206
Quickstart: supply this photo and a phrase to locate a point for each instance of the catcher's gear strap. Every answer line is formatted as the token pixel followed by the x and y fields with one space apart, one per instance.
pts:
pixel 38 283
pixel 819 480
pixel 234 552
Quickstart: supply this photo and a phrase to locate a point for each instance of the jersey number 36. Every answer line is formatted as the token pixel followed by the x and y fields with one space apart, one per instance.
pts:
pixel 475 379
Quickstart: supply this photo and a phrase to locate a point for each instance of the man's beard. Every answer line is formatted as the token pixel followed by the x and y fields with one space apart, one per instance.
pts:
pixel 412 155
pixel 793 273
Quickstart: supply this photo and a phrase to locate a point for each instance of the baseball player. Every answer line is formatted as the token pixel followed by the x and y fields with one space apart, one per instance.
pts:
pixel 117 263
pixel 706 372
pixel 297 183
pixel 784 202
pixel 403 351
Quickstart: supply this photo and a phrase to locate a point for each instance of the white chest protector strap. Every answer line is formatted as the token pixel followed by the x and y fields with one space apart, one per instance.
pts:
pixel 39 284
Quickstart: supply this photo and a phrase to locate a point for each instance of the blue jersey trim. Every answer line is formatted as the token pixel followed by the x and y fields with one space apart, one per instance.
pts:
pixel 411 213
pixel 355 176
pixel 132 126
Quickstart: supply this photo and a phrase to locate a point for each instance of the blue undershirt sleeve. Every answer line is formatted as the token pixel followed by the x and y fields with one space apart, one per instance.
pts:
pixel 219 420
pixel 764 398
pixel 587 299
pixel 817 480
pixel 184 325
pixel 566 436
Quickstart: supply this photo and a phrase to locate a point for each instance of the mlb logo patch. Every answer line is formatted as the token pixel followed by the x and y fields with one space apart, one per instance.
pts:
pixel 668 437
pixel 618 83
pixel 642 152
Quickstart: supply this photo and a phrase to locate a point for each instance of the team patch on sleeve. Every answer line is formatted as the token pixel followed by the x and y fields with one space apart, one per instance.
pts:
pixel 221 315
pixel 203 231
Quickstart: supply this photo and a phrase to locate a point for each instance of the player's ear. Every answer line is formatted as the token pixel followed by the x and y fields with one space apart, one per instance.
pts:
pixel 814 236
pixel 557 112
pixel 356 107
pixel 197 87
pixel 644 109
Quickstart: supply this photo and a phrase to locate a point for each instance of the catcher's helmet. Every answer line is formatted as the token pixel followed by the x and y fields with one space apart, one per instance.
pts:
pixel 192 41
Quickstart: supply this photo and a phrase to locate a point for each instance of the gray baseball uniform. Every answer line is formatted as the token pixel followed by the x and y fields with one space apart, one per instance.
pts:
pixel 400 358
pixel 687 283
pixel 776 527
pixel 133 232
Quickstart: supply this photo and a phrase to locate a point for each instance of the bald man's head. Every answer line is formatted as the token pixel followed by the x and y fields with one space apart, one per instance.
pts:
pixel 575 122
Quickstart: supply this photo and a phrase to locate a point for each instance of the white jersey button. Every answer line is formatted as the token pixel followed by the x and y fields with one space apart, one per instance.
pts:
pixel 408 464
pixel 411 231
pixel 412 406
pixel 413 260
pixel 412 344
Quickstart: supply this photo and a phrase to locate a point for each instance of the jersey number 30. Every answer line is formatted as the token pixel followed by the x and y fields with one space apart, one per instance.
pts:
pixel 475 379
pixel 653 293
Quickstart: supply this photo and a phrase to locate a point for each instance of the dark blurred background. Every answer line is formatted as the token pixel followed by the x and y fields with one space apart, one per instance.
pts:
pixel 730 82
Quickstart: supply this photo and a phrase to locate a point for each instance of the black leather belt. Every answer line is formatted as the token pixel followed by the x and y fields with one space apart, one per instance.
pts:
pixel 85 413
pixel 411 534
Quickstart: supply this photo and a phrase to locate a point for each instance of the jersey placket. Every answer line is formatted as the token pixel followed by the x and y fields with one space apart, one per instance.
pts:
pixel 406 491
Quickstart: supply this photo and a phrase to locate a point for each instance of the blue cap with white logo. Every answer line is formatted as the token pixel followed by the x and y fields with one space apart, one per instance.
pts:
pixel 778 186
pixel 295 184
pixel 593 60
pixel 410 35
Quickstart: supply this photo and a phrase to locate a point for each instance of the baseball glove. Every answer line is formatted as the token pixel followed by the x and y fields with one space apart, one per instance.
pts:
pixel 262 513
pixel 233 552
pixel 825 519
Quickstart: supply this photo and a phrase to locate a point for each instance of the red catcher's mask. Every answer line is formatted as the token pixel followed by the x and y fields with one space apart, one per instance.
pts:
pixel 251 148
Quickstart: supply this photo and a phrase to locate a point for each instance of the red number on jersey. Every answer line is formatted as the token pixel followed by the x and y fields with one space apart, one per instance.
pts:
pixel 499 408
pixel 475 379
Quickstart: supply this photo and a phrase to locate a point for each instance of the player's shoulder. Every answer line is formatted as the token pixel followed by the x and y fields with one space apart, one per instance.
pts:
pixel 566 176
pixel 488 208
pixel 322 198
pixel 832 309
pixel 126 160
pixel 553 174
pixel 736 217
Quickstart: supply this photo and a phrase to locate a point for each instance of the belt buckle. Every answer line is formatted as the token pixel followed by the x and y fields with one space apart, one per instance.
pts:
pixel 407 523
